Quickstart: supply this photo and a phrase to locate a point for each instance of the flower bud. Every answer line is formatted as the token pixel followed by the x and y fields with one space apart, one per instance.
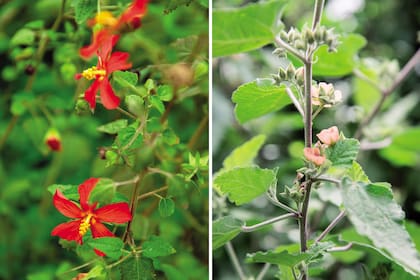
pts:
pixel 300 75
pixel 280 52
pixel 315 95
pixel 284 36
pixel 314 155
pixel 309 36
pixel 282 74
pixel 290 72
pixel 53 140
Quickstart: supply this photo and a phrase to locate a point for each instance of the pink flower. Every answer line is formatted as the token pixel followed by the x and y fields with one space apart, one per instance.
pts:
pixel 314 155
pixel 329 136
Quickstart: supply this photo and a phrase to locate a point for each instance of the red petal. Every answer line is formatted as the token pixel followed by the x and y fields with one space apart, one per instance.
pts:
pixel 65 206
pixel 68 231
pixel 90 94
pixel 118 61
pixel 106 47
pixel 108 97
pixel 84 192
pixel 97 40
pixel 118 213
pixel 99 253
pixel 136 11
pixel 99 230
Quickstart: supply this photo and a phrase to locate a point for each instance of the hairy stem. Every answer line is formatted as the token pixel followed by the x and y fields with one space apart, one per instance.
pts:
pixel 263 271
pixel 331 226
pixel 267 222
pixel 401 76
pixel 295 101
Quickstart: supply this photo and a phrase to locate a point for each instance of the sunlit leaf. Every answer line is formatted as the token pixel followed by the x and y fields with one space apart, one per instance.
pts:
pixel 224 230
pixel 157 247
pixel 244 155
pixel 344 152
pixel 113 127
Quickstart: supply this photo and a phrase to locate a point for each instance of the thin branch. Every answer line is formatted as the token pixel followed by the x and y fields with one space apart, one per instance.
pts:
pixel 121 110
pixel 401 76
pixel 263 271
pixel 142 196
pixel 235 261
pixel 295 101
pixel 282 206
pixel 331 225
pixel 319 6
pixel 341 248
pixel 267 222
pixel 290 49
pixel 327 179
pixel 127 182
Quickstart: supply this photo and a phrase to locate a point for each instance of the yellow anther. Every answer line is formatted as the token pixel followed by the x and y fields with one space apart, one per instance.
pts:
pixel 85 224
pixel 105 18
pixel 94 73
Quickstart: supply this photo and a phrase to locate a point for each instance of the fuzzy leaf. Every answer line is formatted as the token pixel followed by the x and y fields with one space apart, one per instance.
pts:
pixel 344 152
pixel 244 29
pixel 244 184
pixel 244 155
pixel 125 78
pixel 224 230
pixel 127 137
pixel 356 173
pixel 258 98
pixel 137 268
pixel 113 127
pixel 375 214
pixel 157 247
pixel 84 9
pixel 166 207
pixel 111 246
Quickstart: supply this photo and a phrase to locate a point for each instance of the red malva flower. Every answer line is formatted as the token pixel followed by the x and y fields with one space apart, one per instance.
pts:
pixel 86 216
pixel 329 136
pixel 314 155
pixel 107 63
pixel 110 25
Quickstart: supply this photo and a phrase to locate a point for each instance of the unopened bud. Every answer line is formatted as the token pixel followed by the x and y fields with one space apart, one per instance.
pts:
pixel 53 140
pixel 300 75
pixel 309 36
pixel 290 72
pixel 282 74
pixel 280 52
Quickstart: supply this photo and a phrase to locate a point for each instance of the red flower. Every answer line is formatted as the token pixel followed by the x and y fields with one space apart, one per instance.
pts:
pixel 53 140
pixel 110 25
pixel 86 216
pixel 107 63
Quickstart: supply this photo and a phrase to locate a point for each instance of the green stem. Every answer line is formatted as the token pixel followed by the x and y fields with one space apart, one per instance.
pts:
pixel 267 222
pixel 331 226
pixel 235 261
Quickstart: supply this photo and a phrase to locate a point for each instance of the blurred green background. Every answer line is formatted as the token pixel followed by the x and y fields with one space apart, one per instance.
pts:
pixel 36 96
pixel 390 28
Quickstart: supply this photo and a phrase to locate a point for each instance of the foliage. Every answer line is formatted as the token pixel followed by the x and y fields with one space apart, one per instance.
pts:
pixel 150 151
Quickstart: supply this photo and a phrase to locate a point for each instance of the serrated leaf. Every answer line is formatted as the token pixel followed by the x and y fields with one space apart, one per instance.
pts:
pixel 244 155
pixel 110 246
pixel 258 98
pixel 157 247
pixel 242 185
pixel 165 92
pixel 137 268
pixel 127 137
pixel 125 78
pixel 83 10
pixel 375 214
pixel 166 207
pixel 21 101
pixel 23 36
pixel 246 28
pixel 356 173
pixel 344 152
pixel 113 127
pixel 224 230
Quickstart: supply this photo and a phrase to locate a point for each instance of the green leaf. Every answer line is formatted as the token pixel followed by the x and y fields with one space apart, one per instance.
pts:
pixel 127 137
pixel 23 36
pixel 405 148
pixel 36 24
pixel 157 103
pixel 244 184
pixel 169 137
pixel 365 94
pixel 110 246
pixel 137 268
pixel 341 62
pixel 344 152
pixel 258 98
pixel 279 258
pixel 69 191
pixel 172 5
pixel 356 173
pixel 113 127
pixel 375 214
pixel 166 207
pixel 224 230
pixel 246 28
pixel 165 92
pixel 125 78
pixel 103 192
pixel 157 247
pixel 84 9
pixel 20 102
pixel 244 155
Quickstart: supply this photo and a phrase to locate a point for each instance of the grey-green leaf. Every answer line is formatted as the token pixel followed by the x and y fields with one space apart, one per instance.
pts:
pixel 224 230
pixel 84 9
pixel 244 184
pixel 166 207
pixel 258 98
pixel 244 29
pixel 344 152
pixel 375 214
pixel 113 127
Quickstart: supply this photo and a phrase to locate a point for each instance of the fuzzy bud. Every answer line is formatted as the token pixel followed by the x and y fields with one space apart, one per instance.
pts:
pixel 300 75
pixel 53 140
pixel 290 72
pixel 314 155
pixel 282 74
